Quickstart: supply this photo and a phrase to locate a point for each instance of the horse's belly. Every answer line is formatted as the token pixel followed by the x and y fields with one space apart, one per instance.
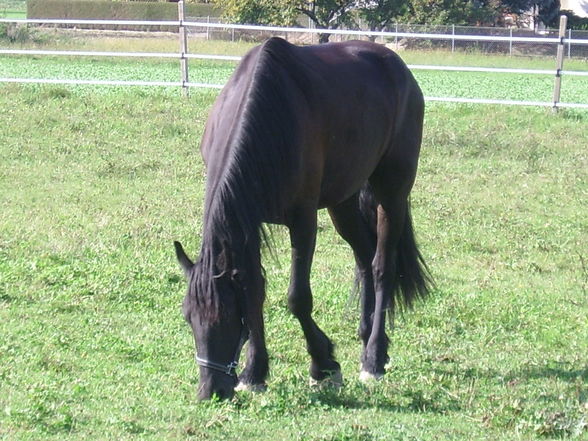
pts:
pixel 341 182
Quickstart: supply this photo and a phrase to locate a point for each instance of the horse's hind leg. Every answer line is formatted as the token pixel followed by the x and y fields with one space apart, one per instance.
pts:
pixel 302 224
pixel 355 230
pixel 391 215
pixel 391 184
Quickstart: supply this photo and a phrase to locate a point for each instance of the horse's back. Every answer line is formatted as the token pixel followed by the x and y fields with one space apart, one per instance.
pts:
pixel 364 105
pixel 324 116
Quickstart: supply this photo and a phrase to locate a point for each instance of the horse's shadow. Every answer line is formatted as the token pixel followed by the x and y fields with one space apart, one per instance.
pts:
pixel 437 399
pixel 562 371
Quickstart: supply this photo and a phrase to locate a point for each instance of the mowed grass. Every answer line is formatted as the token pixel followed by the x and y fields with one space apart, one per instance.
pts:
pixel 96 184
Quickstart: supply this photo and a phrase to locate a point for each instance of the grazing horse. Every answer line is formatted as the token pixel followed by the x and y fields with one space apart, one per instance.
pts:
pixel 296 129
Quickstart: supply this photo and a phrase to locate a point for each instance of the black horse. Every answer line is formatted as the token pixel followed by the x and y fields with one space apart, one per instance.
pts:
pixel 294 130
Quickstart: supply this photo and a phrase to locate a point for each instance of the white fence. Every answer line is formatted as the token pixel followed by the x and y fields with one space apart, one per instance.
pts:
pixel 183 55
pixel 505 44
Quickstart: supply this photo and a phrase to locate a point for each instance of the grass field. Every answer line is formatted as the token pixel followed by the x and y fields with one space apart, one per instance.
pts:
pixel 97 183
pixel 7 13
pixel 434 83
pixel 13 9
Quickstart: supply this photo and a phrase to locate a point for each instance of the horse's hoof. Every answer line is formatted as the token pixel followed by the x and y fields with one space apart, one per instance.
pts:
pixel 367 377
pixel 262 387
pixel 335 381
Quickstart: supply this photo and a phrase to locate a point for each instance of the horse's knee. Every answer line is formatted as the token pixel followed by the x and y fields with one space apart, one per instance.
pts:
pixel 364 331
pixel 300 302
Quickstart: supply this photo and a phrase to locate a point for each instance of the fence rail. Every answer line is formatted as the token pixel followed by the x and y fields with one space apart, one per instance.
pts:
pixel 184 55
pixel 356 33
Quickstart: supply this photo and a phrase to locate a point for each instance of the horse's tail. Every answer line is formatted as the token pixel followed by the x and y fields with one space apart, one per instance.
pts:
pixel 412 279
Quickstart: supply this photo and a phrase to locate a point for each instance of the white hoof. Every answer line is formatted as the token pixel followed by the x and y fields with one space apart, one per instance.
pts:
pixel 335 381
pixel 250 387
pixel 367 377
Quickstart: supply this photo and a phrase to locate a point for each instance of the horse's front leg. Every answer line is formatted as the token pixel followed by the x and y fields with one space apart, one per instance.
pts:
pixel 255 373
pixel 303 226
pixel 253 376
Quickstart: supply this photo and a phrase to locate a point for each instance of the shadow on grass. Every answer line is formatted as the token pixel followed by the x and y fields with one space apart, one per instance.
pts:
pixel 563 371
pixel 359 396
pixel 435 398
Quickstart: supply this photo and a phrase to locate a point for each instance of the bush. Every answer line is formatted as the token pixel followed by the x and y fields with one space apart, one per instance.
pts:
pixel 19 33
pixel 114 10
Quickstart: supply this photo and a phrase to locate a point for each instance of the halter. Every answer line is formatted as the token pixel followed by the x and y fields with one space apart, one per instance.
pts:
pixel 230 368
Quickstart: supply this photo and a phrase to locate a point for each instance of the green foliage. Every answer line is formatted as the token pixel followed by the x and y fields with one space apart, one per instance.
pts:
pixel 384 12
pixel 574 22
pixel 329 14
pixel 113 10
pixel 269 12
pixel 458 12
pixel 326 14
pixel 21 34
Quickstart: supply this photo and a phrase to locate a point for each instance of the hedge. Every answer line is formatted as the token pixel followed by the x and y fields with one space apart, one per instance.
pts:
pixel 114 10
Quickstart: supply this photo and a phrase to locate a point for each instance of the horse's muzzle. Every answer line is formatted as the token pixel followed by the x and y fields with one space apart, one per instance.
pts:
pixel 220 385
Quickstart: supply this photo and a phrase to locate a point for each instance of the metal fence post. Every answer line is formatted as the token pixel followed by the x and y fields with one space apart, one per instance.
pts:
pixel 510 44
pixel 563 21
pixel 183 48
pixel 569 43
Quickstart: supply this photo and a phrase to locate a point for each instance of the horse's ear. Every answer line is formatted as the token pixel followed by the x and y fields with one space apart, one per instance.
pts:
pixel 183 259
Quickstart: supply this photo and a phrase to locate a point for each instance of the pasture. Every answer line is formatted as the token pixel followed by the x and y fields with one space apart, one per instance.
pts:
pixel 97 183
pixel 13 9
pixel 501 86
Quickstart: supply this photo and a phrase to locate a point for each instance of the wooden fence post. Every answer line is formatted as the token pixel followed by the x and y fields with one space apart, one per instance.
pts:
pixel 453 38
pixel 563 22
pixel 183 48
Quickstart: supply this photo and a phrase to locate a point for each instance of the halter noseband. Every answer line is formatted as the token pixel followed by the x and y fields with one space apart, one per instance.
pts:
pixel 230 368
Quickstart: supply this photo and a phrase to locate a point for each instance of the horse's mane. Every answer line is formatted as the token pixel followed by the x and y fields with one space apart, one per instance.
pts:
pixel 248 188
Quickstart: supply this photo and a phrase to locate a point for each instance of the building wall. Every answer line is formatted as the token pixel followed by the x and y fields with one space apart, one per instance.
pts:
pixel 579 7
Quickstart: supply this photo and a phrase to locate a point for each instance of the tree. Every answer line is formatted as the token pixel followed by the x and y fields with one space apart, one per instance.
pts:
pixel 268 12
pixel 328 14
pixel 546 11
pixel 325 14
pixel 458 12
pixel 380 13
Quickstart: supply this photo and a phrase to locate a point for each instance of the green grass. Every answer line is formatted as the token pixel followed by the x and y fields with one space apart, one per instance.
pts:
pixel 13 9
pixel 434 83
pixel 96 184
pixel 7 13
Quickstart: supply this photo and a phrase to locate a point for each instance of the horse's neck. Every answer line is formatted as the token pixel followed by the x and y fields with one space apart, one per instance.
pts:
pixel 231 244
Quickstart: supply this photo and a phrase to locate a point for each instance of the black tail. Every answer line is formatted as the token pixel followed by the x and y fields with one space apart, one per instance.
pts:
pixel 412 279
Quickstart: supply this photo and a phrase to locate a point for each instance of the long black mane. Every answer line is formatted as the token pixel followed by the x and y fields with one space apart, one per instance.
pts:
pixel 247 189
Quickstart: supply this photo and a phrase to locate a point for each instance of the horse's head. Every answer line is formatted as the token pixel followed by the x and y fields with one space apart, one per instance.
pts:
pixel 219 336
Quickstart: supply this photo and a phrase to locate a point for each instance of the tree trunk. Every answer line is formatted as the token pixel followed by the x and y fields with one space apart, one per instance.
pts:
pixel 324 38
